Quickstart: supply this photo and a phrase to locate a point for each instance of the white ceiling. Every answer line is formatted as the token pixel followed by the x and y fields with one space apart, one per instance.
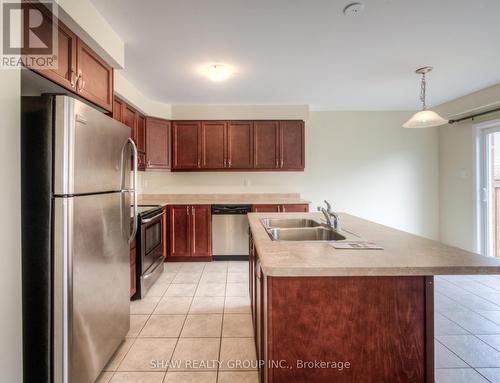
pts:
pixel 307 51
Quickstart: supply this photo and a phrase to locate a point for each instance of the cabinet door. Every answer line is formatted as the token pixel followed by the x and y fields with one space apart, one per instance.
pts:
pixel 65 72
pixel 95 81
pixel 295 208
pixel 266 208
pixel 266 148
pixel 157 143
pixel 141 141
pixel 201 230
pixel 213 143
pixel 291 145
pixel 179 228
pixel 240 144
pixel 118 109
pixel 130 119
pixel 186 148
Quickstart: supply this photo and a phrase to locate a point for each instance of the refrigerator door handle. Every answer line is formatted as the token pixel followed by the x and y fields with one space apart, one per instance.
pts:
pixel 134 188
pixel 134 183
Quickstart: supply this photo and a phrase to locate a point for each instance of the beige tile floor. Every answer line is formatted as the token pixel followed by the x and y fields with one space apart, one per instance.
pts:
pixel 195 312
pixel 467 329
pixel 201 312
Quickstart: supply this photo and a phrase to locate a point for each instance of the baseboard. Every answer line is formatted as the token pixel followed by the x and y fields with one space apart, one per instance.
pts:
pixel 189 259
pixel 230 257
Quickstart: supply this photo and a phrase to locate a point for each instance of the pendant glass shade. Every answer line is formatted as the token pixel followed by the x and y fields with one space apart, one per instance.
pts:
pixel 425 119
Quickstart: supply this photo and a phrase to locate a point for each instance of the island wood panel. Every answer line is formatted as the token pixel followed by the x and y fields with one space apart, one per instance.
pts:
pixel 213 144
pixel 240 144
pixel 379 324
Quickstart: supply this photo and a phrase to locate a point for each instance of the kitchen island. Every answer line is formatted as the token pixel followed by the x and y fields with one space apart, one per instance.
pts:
pixel 341 315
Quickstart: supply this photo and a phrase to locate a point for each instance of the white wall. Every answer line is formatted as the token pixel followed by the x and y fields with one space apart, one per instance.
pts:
pixel 127 91
pixel 364 162
pixel 83 18
pixel 457 164
pixel 10 228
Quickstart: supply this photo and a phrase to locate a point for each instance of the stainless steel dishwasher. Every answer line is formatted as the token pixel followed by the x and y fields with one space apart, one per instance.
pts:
pixel 230 231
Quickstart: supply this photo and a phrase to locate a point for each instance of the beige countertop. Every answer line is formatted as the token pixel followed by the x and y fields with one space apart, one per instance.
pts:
pixel 211 199
pixel 403 253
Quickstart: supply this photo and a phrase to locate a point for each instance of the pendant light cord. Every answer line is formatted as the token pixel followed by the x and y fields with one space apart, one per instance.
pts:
pixel 422 92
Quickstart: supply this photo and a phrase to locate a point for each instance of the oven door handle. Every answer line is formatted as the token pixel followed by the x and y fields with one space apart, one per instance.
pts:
pixel 147 220
pixel 146 276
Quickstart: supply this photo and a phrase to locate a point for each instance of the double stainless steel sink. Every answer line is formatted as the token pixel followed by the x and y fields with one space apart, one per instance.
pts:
pixel 305 230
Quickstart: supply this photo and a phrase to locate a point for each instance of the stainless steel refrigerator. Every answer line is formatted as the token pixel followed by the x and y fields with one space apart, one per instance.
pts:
pixel 76 225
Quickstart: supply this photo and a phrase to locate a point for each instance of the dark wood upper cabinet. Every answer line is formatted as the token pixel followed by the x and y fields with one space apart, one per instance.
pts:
pixel 239 144
pixel 186 145
pixel 130 119
pixel 141 141
pixel 201 230
pixel 94 77
pixel 266 144
pixel 157 143
pixel 291 140
pixel 180 229
pixel 79 69
pixel 213 144
pixel 65 72
pixel 118 106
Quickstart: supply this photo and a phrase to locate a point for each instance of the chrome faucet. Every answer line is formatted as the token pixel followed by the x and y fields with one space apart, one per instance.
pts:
pixel 332 218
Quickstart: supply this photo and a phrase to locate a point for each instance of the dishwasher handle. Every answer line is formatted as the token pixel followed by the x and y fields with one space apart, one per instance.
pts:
pixel 231 209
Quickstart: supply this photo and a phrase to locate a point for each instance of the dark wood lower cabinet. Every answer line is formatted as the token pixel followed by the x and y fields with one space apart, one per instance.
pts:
pixel 369 329
pixel 190 233
pixel 284 208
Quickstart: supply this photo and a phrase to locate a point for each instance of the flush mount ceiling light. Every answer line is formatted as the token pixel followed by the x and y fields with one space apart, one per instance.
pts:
pixel 218 72
pixel 354 9
pixel 425 118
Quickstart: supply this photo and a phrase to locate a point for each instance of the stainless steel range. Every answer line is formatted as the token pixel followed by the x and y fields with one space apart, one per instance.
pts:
pixel 149 250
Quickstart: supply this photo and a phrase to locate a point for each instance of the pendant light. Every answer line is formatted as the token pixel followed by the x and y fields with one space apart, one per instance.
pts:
pixel 425 118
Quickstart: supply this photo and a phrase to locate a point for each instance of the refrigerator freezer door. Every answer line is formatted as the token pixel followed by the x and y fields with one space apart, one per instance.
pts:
pixel 88 150
pixel 91 284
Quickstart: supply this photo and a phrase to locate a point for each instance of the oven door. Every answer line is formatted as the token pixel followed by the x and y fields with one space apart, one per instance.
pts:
pixel 151 242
